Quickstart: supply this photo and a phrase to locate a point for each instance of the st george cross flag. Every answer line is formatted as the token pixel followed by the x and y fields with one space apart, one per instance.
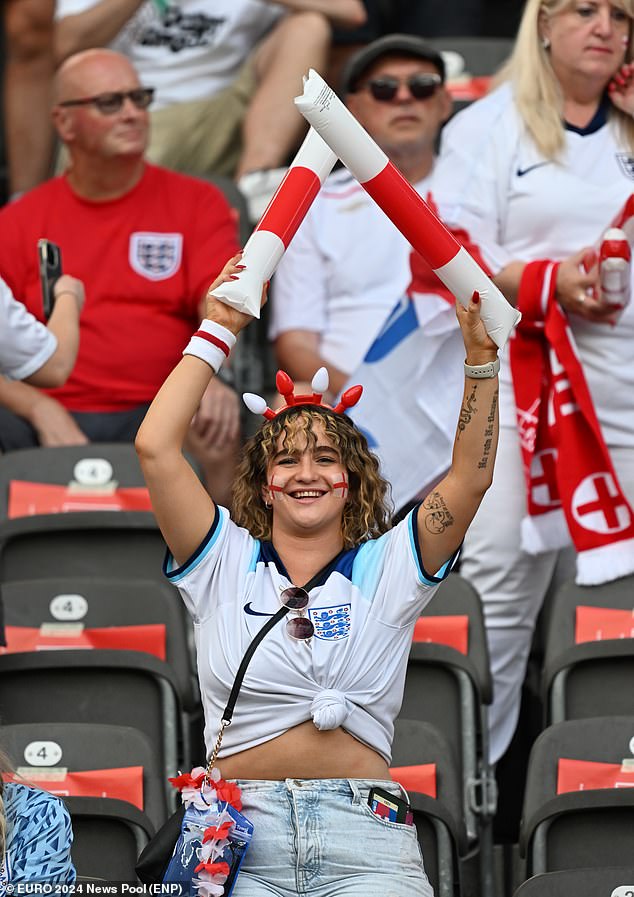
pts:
pixel 414 368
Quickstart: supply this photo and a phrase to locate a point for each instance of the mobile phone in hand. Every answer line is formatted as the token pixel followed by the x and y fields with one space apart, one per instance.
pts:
pixel 50 264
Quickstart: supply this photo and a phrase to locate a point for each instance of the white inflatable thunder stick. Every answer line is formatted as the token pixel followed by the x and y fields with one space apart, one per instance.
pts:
pixel 283 215
pixel 615 268
pixel 401 203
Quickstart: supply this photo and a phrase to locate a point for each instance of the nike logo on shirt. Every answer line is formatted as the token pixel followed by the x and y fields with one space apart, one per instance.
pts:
pixel 522 171
pixel 255 613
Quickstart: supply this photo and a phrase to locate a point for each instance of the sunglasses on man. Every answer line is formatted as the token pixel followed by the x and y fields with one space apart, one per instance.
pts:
pixel 421 86
pixel 111 103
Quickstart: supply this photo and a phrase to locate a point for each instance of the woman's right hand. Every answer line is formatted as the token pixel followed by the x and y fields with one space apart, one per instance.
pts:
pixel 578 287
pixel 230 317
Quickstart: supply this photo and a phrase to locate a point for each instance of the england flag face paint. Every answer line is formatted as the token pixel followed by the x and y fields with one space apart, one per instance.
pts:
pixel 307 484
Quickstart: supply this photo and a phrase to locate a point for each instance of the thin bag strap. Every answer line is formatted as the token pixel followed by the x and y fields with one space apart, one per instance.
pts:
pixel 227 714
pixel 246 660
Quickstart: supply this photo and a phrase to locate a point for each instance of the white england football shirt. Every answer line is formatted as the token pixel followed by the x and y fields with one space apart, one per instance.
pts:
pixel 352 672
pixel 517 205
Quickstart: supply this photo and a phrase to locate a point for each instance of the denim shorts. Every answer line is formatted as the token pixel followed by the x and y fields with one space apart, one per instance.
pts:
pixel 319 838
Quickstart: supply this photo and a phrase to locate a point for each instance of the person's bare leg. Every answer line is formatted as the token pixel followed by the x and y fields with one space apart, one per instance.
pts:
pixel 29 70
pixel 273 127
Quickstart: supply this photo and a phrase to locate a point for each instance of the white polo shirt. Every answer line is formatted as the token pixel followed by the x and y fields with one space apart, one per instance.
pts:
pixel 350 674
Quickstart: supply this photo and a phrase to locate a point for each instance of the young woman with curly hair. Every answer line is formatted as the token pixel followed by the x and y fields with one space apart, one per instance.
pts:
pixel 314 719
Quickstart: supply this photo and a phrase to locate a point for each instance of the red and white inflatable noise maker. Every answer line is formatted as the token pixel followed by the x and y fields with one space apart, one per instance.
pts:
pixel 283 215
pixel 321 107
pixel 615 263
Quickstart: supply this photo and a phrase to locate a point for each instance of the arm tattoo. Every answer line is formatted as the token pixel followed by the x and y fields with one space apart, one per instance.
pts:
pixel 488 433
pixel 439 518
pixel 467 411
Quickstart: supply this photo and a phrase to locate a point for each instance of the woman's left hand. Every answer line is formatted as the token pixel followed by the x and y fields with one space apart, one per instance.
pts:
pixel 621 88
pixel 479 347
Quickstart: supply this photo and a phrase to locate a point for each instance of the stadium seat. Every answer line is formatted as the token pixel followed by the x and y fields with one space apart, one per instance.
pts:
pixel 449 689
pixel 583 825
pixel 606 882
pixel 59 749
pixel 438 819
pixel 108 836
pixel 96 541
pixel 125 688
pixel 137 614
pixel 594 677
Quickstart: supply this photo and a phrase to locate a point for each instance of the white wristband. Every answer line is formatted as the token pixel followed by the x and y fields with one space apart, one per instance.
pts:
pixel 211 343
pixel 482 371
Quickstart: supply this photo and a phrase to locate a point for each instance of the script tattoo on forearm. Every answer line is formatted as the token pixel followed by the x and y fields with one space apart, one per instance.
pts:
pixel 488 433
pixel 439 518
pixel 467 411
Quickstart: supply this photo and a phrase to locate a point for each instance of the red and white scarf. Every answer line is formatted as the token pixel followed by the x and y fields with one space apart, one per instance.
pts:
pixel 572 488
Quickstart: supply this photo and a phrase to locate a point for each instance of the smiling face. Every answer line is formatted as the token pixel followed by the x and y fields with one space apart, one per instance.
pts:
pixel 307 483
pixel 588 40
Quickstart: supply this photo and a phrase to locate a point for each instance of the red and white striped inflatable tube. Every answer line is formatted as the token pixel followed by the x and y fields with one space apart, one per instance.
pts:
pixel 325 112
pixel 283 215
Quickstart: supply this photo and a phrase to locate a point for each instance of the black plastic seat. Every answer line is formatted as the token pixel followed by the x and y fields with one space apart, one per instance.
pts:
pixel 583 828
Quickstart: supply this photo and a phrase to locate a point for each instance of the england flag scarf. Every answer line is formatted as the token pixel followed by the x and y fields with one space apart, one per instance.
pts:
pixel 572 488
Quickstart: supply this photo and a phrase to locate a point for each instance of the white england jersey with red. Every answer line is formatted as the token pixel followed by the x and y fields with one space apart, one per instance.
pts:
pixel 344 271
pixel 517 205
pixel 352 671
pixel 25 343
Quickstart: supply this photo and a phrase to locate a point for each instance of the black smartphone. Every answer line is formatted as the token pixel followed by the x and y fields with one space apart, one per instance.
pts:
pixel 50 263
pixel 389 807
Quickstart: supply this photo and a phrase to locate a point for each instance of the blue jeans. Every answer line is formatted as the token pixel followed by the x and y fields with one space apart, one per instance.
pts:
pixel 319 838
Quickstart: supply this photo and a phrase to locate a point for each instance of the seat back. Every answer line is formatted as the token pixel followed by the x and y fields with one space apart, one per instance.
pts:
pixel 94 603
pixel 44 752
pixel 448 689
pixel 124 688
pixel 438 819
pixel 84 543
pixel 580 827
pixel 590 678
pixel 108 836
pixel 607 882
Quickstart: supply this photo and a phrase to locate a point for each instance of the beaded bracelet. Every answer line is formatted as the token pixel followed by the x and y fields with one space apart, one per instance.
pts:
pixel 211 343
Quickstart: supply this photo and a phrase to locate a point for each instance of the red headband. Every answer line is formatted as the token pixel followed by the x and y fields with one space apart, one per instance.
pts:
pixel 286 389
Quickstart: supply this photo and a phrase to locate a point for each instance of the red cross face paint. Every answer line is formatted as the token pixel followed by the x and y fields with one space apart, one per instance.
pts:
pixel 307 484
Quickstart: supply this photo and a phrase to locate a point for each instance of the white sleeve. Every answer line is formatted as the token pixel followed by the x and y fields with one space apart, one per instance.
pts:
pixel 470 181
pixel 72 7
pixel 390 573
pixel 299 294
pixel 25 343
pixel 209 577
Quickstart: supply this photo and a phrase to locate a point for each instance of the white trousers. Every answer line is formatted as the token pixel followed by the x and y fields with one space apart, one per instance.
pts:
pixel 512 583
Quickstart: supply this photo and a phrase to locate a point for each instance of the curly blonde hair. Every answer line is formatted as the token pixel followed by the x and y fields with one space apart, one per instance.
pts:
pixel 367 512
pixel 537 92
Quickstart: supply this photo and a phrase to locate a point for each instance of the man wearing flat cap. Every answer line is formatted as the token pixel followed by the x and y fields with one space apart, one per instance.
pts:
pixel 348 265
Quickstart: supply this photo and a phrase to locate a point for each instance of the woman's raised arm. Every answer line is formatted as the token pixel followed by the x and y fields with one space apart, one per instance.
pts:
pixel 445 514
pixel 184 509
